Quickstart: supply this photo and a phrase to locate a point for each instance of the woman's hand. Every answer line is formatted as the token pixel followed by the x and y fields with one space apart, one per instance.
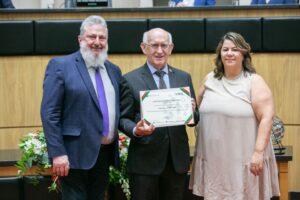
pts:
pixel 256 165
pixel 193 104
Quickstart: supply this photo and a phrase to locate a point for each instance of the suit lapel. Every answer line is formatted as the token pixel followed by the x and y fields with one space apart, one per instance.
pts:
pixel 114 81
pixel 148 78
pixel 150 83
pixel 174 83
pixel 86 78
pixel 112 76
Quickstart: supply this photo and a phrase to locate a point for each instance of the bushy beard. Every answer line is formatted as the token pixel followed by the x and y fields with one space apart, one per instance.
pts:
pixel 90 58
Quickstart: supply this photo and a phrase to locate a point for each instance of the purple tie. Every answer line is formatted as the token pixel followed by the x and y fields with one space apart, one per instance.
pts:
pixel 102 102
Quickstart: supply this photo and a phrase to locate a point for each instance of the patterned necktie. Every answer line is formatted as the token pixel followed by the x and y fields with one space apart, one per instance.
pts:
pixel 102 102
pixel 160 74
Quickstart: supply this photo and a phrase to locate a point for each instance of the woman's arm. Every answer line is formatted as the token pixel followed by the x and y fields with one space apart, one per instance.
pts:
pixel 263 106
pixel 201 91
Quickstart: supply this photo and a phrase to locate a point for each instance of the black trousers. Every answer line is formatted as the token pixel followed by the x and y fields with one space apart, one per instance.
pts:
pixel 89 184
pixel 169 185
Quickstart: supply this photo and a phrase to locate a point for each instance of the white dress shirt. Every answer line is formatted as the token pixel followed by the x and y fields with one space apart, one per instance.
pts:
pixel 110 99
pixel 156 78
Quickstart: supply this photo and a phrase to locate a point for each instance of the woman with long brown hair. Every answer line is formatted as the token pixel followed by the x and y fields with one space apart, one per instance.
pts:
pixel 234 159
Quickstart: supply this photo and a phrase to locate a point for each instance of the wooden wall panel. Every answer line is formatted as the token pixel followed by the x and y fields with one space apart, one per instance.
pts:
pixel 10 137
pixel 21 80
pixel 154 13
pixel 282 73
pixel 20 90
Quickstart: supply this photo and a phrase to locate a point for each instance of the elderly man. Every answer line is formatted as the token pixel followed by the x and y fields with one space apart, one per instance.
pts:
pixel 80 113
pixel 157 161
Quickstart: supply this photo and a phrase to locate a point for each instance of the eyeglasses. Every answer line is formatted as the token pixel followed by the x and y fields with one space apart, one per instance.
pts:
pixel 94 37
pixel 156 46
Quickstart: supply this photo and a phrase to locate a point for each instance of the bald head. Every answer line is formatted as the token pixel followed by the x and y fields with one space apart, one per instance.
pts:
pixel 148 35
pixel 157 46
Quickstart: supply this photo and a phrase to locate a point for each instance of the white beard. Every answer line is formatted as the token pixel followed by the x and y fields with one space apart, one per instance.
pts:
pixel 89 56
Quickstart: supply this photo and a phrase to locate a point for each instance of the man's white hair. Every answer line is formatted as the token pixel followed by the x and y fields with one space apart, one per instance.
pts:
pixel 92 20
pixel 145 35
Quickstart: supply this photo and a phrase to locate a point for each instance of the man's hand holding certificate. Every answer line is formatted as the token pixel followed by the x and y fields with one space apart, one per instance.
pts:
pixel 167 107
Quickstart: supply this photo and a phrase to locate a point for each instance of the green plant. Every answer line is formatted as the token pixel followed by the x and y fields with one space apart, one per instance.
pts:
pixel 119 175
pixel 34 153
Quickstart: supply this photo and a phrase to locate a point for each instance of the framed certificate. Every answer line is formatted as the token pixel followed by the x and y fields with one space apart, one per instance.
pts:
pixel 167 107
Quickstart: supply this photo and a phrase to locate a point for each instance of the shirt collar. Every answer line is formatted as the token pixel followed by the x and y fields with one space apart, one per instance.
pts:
pixel 153 69
pixel 94 67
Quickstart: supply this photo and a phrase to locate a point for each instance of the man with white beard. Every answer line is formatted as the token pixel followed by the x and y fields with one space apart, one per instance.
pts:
pixel 80 114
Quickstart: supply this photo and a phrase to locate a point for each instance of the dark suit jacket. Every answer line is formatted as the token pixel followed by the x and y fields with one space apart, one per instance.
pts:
pixel 6 4
pixel 253 2
pixel 70 112
pixel 148 155
pixel 282 2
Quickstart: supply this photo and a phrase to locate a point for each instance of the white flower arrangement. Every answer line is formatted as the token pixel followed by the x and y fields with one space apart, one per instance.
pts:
pixel 34 153
pixel 119 175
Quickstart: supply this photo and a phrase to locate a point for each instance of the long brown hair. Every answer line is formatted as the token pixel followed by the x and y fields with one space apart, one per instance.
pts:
pixel 240 43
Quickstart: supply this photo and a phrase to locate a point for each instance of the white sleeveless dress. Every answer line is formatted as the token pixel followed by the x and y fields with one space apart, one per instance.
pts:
pixel 226 138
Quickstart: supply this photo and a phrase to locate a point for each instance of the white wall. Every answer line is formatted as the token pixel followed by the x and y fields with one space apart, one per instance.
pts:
pixel 28 4
pixel 115 3
pixel 245 2
pixel 131 3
